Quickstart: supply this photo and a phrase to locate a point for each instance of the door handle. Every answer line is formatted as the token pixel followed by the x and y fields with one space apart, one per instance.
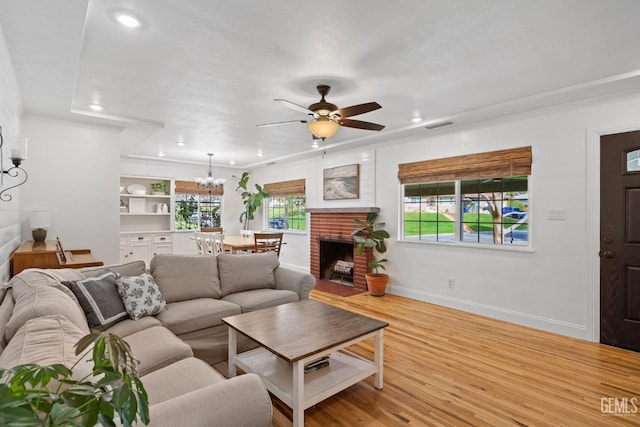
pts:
pixel 607 254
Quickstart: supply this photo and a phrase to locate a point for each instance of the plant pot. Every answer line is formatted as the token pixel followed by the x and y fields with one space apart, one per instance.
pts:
pixel 377 283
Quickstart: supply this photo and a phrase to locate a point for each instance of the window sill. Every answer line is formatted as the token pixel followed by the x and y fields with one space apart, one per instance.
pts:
pixel 525 249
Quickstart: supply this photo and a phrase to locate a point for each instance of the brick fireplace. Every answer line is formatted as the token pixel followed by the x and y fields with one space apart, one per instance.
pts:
pixel 335 225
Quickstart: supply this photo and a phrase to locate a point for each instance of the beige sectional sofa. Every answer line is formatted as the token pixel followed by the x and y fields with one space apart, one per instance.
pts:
pixel 43 314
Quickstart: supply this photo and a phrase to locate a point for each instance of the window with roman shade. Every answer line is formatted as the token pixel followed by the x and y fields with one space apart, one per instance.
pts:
pixel 478 198
pixel 285 205
pixel 196 207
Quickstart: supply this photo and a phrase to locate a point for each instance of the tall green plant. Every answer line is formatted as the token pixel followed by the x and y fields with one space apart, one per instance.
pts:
pixel 252 200
pixel 34 395
pixel 370 234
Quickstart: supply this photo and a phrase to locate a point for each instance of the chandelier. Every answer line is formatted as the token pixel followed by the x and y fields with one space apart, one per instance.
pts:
pixel 209 182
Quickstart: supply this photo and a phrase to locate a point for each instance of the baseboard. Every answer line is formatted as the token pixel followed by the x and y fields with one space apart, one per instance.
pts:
pixel 500 313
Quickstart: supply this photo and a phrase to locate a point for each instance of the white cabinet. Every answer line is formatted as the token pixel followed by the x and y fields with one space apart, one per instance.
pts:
pixel 162 244
pixel 144 246
pixel 140 248
pixel 146 204
pixel 146 217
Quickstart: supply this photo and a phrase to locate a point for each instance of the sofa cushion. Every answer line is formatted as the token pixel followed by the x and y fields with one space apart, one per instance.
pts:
pixel 46 340
pixel 261 298
pixel 247 272
pixel 187 316
pixel 99 298
pixel 184 376
pixel 156 347
pixel 37 300
pixel 6 308
pixel 140 295
pixel 185 277
pixel 134 268
pixel 130 326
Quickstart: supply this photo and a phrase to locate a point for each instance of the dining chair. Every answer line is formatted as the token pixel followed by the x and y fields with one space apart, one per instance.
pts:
pixel 197 236
pixel 212 230
pixel 268 242
pixel 217 244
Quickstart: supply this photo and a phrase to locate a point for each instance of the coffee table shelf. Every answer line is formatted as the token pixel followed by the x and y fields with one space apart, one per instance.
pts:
pixel 344 370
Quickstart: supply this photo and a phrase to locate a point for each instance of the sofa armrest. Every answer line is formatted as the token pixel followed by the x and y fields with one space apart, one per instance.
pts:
pixel 241 401
pixel 291 280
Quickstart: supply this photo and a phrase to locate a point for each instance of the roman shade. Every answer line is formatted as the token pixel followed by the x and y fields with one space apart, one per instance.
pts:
pixel 190 187
pixel 295 187
pixel 492 164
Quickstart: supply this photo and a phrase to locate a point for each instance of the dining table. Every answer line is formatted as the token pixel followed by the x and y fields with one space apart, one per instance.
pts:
pixel 238 243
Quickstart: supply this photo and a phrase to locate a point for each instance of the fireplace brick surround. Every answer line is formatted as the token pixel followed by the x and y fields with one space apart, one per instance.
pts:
pixel 336 224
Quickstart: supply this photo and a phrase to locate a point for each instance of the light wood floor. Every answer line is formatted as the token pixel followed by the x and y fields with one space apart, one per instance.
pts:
pixel 444 367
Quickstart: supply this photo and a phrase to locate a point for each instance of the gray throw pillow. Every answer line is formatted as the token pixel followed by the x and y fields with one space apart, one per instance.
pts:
pixel 99 299
pixel 140 295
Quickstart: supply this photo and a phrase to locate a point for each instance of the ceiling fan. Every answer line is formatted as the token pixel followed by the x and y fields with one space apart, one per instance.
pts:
pixel 327 117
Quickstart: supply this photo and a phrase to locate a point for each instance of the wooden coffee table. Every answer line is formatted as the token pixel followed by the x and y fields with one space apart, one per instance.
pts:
pixel 295 334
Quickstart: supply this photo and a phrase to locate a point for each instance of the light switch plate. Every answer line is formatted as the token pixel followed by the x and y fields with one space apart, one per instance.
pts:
pixel 557 214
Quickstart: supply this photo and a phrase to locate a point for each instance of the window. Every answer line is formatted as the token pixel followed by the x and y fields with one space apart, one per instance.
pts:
pixel 196 208
pixel 481 209
pixel 285 205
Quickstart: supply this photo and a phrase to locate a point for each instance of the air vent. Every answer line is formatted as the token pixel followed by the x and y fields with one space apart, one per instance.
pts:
pixel 438 125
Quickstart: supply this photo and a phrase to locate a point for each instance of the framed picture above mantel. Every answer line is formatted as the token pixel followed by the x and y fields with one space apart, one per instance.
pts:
pixel 341 183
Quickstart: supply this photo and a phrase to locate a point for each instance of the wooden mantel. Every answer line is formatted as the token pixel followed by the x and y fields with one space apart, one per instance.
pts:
pixel 342 210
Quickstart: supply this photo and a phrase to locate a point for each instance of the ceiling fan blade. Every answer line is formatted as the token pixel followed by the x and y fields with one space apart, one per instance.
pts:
pixel 355 110
pixel 281 123
pixel 359 124
pixel 293 106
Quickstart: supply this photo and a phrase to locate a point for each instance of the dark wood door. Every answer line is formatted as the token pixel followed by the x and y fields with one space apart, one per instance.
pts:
pixel 620 240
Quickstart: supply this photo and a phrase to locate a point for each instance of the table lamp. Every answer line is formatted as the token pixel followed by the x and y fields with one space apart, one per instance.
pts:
pixel 39 221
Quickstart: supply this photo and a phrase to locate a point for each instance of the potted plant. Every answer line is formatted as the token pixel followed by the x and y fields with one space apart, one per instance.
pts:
pixel 252 201
pixel 159 188
pixel 370 234
pixel 34 395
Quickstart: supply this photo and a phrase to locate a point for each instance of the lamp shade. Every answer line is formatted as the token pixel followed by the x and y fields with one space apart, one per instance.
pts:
pixel 39 219
pixel 323 127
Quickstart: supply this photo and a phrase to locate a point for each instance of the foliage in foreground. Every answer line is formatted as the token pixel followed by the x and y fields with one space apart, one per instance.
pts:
pixel 33 395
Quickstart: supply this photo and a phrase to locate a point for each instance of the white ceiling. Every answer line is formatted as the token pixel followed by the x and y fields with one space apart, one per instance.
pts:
pixel 207 71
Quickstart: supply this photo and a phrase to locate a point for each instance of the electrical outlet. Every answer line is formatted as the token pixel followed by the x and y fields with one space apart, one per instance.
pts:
pixel 450 283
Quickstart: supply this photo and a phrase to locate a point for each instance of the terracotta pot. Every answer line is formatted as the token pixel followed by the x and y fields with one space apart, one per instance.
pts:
pixel 377 283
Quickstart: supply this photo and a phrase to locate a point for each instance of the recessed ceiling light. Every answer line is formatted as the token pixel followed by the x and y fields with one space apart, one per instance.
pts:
pixel 127 19
pixel 96 107
pixel 416 119
pixel 232 162
pixel 260 154
pixel 315 144
pixel 160 153
pixel 180 143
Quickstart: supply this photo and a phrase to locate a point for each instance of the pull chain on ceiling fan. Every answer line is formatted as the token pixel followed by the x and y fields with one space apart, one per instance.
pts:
pixel 327 117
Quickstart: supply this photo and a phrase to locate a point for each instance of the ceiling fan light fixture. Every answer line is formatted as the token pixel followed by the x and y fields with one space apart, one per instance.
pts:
pixel 323 127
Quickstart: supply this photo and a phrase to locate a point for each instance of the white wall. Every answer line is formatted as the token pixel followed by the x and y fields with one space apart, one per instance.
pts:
pixel 74 173
pixel 552 287
pixel 10 113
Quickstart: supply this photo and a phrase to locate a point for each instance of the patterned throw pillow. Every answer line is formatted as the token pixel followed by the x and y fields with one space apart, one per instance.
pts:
pixel 140 295
pixel 99 299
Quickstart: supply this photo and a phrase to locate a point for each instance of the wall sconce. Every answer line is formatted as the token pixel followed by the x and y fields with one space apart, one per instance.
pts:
pixel 17 153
